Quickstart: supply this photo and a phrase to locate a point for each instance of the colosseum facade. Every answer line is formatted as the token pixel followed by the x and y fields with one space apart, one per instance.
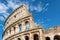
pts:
pixel 19 25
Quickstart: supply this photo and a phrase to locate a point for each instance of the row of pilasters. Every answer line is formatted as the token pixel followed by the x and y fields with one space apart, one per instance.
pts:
pixel 24 29
pixel 31 24
pixel 17 29
pixel 31 37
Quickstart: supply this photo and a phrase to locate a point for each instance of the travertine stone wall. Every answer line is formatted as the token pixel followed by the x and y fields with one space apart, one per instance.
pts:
pixel 17 14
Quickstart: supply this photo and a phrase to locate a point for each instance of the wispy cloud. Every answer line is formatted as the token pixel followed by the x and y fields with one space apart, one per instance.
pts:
pixel 32 7
pixel 2 18
pixel 36 24
pixel 3 8
pixel 3 11
pixel 45 7
pixel 13 4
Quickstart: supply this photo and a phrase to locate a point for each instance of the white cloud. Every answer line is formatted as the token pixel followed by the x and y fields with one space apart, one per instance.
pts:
pixel 3 8
pixel 45 8
pixel 25 3
pixel 3 11
pixel 36 8
pixel 5 14
pixel 31 7
pixel 47 4
pixel 12 4
pixel 2 18
pixel 36 24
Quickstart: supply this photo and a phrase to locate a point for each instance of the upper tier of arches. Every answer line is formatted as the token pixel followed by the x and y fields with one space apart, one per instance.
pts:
pixel 19 13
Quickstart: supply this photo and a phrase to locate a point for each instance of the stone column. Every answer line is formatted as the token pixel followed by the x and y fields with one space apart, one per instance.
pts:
pixel 22 37
pixel 23 26
pixel 52 37
pixel 31 36
pixel 12 31
pixel 8 33
pixel 17 28
pixel 41 37
pixel 31 23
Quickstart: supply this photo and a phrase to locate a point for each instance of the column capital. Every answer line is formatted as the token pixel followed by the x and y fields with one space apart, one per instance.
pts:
pixel 17 28
pixel 23 26
pixel 42 37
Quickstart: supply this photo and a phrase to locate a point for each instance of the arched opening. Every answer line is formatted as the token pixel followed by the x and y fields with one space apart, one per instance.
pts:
pixel 57 37
pixel 47 38
pixel 26 38
pixel 14 29
pixel 20 27
pixel 19 39
pixel 36 37
pixel 27 25
pixel 10 31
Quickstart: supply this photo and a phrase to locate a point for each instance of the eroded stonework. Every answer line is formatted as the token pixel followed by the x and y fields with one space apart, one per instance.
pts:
pixel 20 26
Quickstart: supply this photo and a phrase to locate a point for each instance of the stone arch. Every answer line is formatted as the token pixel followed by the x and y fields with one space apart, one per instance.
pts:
pixel 27 24
pixel 56 37
pixel 19 39
pixel 14 29
pixel 20 27
pixel 26 38
pixel 47 38
pixel 35 37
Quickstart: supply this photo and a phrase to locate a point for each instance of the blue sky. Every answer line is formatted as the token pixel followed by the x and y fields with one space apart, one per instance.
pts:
pixel 45 12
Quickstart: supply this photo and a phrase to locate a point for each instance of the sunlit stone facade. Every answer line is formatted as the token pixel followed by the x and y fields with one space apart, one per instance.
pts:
pixel 19 25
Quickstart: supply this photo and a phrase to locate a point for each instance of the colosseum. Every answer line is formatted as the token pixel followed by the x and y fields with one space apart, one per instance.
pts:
pixel 19 25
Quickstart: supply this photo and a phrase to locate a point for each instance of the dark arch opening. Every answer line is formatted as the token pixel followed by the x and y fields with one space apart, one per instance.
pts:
pixel 26 38
pixel 36 37
pixel 47 38
pixel 14 29
pixel 57 37
pixel 20 28
pixel 19 39
pixel 27 25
